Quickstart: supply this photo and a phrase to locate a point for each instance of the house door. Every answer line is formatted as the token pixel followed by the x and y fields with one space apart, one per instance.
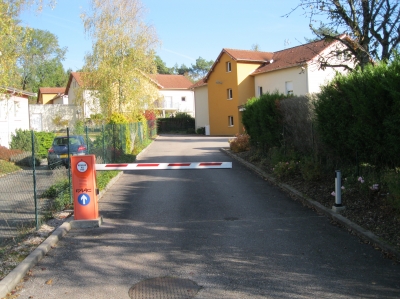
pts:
pixel 36 122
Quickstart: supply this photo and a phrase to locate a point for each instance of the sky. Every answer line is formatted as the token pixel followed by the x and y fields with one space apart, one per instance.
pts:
pixel 187 29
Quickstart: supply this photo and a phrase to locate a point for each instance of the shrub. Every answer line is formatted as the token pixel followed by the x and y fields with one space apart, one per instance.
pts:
pixel 240 143
pixel 201 131
pixel 183 115
pixel 358 115
pixel 310 169
pixel 285 169
pixel 6 153
pixel 263 120
pixel 392 181
pixel 22 140
pixel 126 158
pixel 45 140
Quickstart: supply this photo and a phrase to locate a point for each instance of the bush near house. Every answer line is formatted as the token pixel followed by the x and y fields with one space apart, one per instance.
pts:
pixel 181 123
pixel 263 120
pixel 353 124
pixel 358 115
pixel 22 140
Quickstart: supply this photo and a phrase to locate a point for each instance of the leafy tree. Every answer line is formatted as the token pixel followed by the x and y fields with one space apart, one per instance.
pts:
pixel 11 43
pixel 161 66
pixel 200 69
pixel 373 26
pixel 40 62
pixel 255 47
pixel 181 70
pixel 122 56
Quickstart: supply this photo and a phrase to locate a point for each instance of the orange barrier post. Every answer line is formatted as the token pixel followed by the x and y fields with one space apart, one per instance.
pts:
pixel 84 187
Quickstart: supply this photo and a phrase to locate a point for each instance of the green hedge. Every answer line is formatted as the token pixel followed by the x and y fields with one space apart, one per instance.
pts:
pixel 22 140
pixel 358 115
pixel 263 120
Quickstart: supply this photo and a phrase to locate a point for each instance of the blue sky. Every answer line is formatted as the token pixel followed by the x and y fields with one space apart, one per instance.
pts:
pixel 187 29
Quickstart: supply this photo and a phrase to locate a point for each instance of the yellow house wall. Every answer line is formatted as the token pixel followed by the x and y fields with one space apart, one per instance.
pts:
pixel 219 107
pixel 47 97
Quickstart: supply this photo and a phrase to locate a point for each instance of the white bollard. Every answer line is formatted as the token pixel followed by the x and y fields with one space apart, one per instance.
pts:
pixel 337 207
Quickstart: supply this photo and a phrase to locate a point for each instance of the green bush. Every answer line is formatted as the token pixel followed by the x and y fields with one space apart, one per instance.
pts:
pixel 263 120
pixel 285 169
pixel 310 169
pixel 45 140
pixel 201 131
pixel 358 115
pixel 22 140
pixel 392 182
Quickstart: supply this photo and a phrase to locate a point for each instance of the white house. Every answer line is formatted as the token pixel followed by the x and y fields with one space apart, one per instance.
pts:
pixel 14 113
pixel 238 75
pixel 175 94
pixel 201 104
pixel 296 70
pixel 90 104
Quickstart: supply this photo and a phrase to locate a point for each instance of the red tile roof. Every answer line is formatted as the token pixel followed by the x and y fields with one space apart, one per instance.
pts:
pixel 295 56
pixel 242 56
pixel 247 55
pixel 55 90
pixel 78 79
pixel 172 81
pixel 199 83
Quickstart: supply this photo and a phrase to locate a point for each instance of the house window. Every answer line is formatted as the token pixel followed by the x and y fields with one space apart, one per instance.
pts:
pixel 259 91
pixel 228 67
pixel 183 99
pixel 16 109
pixel 229 93
pixel 289 88
pixel 230 121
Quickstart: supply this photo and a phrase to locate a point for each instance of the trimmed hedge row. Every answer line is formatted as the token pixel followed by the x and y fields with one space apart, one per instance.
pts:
pixel 356 117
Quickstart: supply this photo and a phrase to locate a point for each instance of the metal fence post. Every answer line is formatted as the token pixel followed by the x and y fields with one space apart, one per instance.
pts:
pixel 87 140
pixel 69 169
pixel 104 145
pixel 34 180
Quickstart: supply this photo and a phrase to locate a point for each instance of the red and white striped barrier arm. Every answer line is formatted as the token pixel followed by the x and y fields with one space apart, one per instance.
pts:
pixel 140 166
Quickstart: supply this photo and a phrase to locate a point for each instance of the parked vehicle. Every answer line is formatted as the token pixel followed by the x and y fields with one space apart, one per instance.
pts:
pixel 58 153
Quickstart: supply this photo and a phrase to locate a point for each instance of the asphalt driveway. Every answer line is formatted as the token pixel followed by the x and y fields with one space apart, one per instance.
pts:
pixel 227 230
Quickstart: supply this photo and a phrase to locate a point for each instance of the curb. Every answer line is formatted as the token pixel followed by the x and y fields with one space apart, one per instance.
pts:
pixel 358 230
pixel 15 276
pixel 9 282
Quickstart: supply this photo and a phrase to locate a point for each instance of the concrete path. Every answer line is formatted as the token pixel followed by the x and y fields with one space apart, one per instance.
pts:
pixel 227 230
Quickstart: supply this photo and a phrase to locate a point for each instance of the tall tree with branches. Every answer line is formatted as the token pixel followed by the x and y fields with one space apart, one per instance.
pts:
pixel 122 57
pixel 40 62
pixel 372 26
pixel 12 37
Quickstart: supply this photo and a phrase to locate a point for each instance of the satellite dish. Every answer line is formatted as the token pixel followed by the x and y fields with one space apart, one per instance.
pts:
pixel 271 61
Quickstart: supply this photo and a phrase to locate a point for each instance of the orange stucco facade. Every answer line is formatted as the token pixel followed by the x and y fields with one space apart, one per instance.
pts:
pixel 224 115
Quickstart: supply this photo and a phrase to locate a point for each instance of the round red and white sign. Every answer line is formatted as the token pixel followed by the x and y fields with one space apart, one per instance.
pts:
pixel 82 166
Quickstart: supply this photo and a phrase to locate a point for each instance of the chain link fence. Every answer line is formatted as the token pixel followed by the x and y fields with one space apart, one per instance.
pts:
pixel 33 186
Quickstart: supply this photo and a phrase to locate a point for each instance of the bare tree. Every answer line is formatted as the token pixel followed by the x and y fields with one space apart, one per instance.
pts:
pixel 372 27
